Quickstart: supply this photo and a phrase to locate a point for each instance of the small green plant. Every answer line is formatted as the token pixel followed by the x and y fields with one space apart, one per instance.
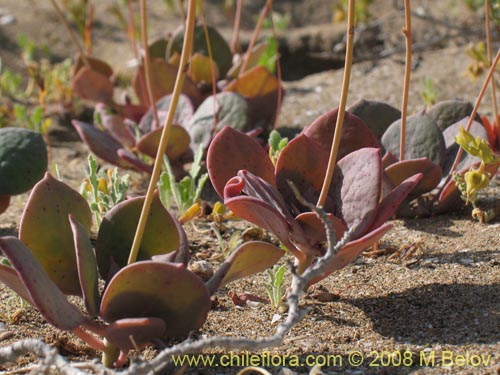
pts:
pixel 185 193
pixel 103 190
pixel 428 92
pixel 274 286
pixel 276 144
pixel 228 246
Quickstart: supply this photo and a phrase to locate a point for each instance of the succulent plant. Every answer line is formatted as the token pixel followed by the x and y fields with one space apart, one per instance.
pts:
pixel 142 302
pixel 256 190
pixel 23 161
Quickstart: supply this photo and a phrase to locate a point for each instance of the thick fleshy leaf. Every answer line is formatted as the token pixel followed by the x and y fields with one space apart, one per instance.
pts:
pixel 115 125
pixel 314 228
pixel 400 171
pixel 92 85
pixel 303 162
pixel 87 267
pixel 96 64
pixel 356 185
pixel 355 133
pixel 134 333
pixel 100 143
pixel 116 234
pixel 227 109
pixel 158 48
pixel 183 113
pixel 10 278
pixel 177 143
pixel 352 250
pixel 133 161
pixel 200 69
pixel 155 289
pixel 448 112
pixel 377 115
pixel 262 111
pixel 163 76
pixel 249 258
pixel 220 49
pixel 46 231
pixel 391 201
pixel 257 52
pixel 423 139
pixel 255 82
pixel 231 151
pixel 45 295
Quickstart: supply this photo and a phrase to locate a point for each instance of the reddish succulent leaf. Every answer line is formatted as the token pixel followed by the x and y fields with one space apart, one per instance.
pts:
pixel 231 151
pixel 92 85
pixel 46 231
pixel 87 267
pixel 163 79
pixel 45 294
pixel 257 81
pixel 249 258
pixel 257 52
pixel 133 161
pixel 378 116
pixel 391 201
pixel 4 203
pixel 355 133
pixel 10 278
pixel 177 144
pixel 134 333
pixel 182 115
pixel 314 228
pixel 115 236
pixel 155 289
pixel 96 64
pixel 352 250
pixel 115 125
pixel 100 143
pixel 303 162
pixel 400 171
pixel 388 159
pixel 158 48
pixel 356 185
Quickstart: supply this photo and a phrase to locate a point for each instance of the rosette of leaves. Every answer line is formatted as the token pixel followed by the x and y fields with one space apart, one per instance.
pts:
pixel 23 161
pixel 258 191
pixel 149 300
pixel 430 149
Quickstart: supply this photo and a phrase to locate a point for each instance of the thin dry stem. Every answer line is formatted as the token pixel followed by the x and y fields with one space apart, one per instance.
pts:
pixel 235 38
pixel 255 35
pixel 474 112
pixel 406 85
pixel 183 66
pixel 343 100
pixel 147 63
pixel 490 58
pixel 72 35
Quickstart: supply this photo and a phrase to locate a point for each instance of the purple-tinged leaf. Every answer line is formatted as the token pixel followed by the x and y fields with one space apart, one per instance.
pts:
pixel 423 139
pixel 115 125
pixel 249 258
pixel 181 255
pixel 303 162
pixel 100 143
pixel 183 113
pixel 44 293
pixel 87 267
pixel 96 64
pixel 177 144
pixel 352 250
pixel 155 289
pixel 10 278
pixel 134 333
pixel 46 231
pixel 355 133
pixel 356 185
pixel 116 234
pixel 391 202
pixel 448 112
pixel 133 161
pixel 401 170
pixel 314 228
pixel 231 151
